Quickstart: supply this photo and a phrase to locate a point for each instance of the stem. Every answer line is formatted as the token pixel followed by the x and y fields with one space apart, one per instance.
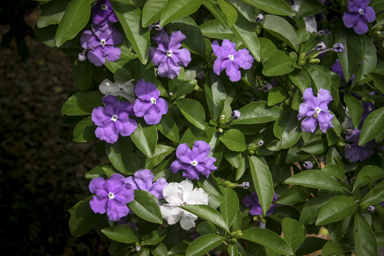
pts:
pixel 318 163
pixel 379 45
pixel 225 243
pixel 373 88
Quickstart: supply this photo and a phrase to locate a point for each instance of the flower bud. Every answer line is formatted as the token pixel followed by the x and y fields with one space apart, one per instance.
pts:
pixel 314 61
pixel 320 46
pixel 321 32
pixel 235 114
pixel 81 57
pixel 260 143
pixel 371 208
pixel 200 75
pixel 338 47
pixel 259 17
pixel 220 130
pixel 267 87
pixel 245 185
pixel 308 165
pixel 262 224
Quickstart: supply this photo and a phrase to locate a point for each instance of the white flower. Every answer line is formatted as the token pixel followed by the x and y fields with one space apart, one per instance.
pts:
pixel 118 88
pixel 179 194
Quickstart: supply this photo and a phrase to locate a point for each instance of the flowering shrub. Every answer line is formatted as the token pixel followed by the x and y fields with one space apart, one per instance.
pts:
pixel 286 141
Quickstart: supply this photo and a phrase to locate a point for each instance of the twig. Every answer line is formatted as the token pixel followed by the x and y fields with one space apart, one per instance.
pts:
pixel 318 163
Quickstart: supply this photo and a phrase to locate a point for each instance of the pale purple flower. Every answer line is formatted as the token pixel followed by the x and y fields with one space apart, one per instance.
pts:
pixel 354 152
pixel 235 114
pixel 358 14
pixel 308 165
pixel 371 208
pixel 102 12
pixel 143 180
pixel 245 184
pixel 260 143
pixel 230 59
pixel 101 41
pixel 320 46
pixel 112 196
pixel 336 68
pixel 338 47
pixel 167 55
pixel 252 201
pixel 195 161
pixel 149 104
pixel 315 111
pixel 113 119
pixel 259 17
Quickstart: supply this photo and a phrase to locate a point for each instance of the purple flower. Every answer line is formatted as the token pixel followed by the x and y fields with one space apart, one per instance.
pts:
pixel 358 14
pixel 235 114
pixel 230 59
pixel 252 200
pixel 355 152
pixel 148 103
pixel 101 41
pixel 103 12
pixel 259 17
pixel 367 109
pixel 320 46
pixel 143 180
pixel 338 47
pixel 308 165
pixel 112 196
pixel 113 119
pixel 336 68
pixel 195 161
pixel 167 55
pixel 315 111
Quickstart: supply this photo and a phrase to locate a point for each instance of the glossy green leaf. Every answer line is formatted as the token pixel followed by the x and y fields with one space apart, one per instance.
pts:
pixel 310 245
pixel 257 113
pixel 206 212
pixel 336 209
pixel 52 13
pixel 122 233
pixel 365 239
pixel 331 248
pixel 156 236
pixel 82 74
pixel 229 11
pixel 372 126
pixel 334 170
pixel 176 9
pixel 213 29
pixel 355 109
pixel 294 232
pixel 145 138
pixel 278 64
pixel 120 154
pixel 315 179
pixel 232 250
pixel 160 250
pixel 46 35
pixel 287 128
pixel 375 196
pixel 146 206
pixel 204 244
pixel 317 146
pixel 267 238
pixel 82 219
pixel 312 208
pixel 318 76
pixel 243 8
pixel 262 180
pixel 215 94
pixel 152 11
pixel 276 95
pixel 168 128
pixel 380 238
pixel 130 19
pixel 378 79
pixel 161 152
pixel 234 140
pixel 368 174
pixel 278 7
pixel 84 131
pixel 75 18
pixel 229 207
pixel 216 12
pixel 301 80
pixel 294 195
pixel 82 103
pixel 266 49
pixel 280 28
pixel 369 61
pixel 193 111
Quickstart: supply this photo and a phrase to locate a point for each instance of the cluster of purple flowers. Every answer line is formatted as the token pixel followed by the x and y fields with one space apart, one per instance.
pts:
pixel 114 118
pixel 100 41
pixel 358 14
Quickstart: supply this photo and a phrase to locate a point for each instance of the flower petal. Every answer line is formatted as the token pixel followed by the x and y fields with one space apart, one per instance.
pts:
pixel 324 98
pixel 187 221
pixel 250 200
pixel 350 19
pixel 370 14
pixel 184 153
pixel 146 90
pixel 201 149
pixel 305 110
pixel 228 47
pixel 171 214
pixel 116 210
pixel 129 180
pixel 177 165
pixel 161 106
pixel 233 71
pixel 191 173
pixel 361 26
pixel 107 87
pixel 198 196
pixel 161 37
pixel 112 53
pixel 100 116
pixel 88 40
pixel 256 210
pixel 96 56
pixel 107 133
pixel 173 194
pixel 175 40
pixel 309 125
pixel 114 38
pixel 158 187
pixel 112 104
pixel 98 186
pixel 99 204
pixel 244 59
pixel 157 56
pixel 168 68
pixel 219 65
pixel 141 107
pixel 125 194
pixel 143 178
pixel 181 57
pixel 152 116
pixel 126 126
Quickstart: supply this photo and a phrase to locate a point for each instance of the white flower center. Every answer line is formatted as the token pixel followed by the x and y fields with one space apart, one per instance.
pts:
pixel 361 11
pixel 169 53
pixel 194 163
pixel 185 203
pixel 102 42
pixel 153 100
pixel 317 110
pixel 231 57
pixel 114 118
pixel 111 195
pixel 121 89
pixel 104 7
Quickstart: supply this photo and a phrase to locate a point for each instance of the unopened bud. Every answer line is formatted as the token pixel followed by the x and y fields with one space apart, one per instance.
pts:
pixel 308 165
pixel 220 130
pixel 320 46
pixel 235 114
pixel 170 94
pixel 338 47
pixel 81 57
pixel 262 224
pixel 260 143
pixel 371 208
pixel 267 87
pixel 259 17
pixel 314 61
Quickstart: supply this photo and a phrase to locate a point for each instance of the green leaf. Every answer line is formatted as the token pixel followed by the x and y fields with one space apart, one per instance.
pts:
pixel 355 109
pixel 82 219
pixel 145 138
pixel 368 174
pixel 168 128
pixel 232 250
pixel 331 248
pixel 213 29
pixel 262 180
pixel 378 80
pixel 130 19
pixel 156 236
pixel 95 172
pixel 380 238
pixel 280 28
pixel 243 8
pixel 375 196
pixel 82 103
pixel 365 239
pixel 318 76
pixel 310 245
pixel 84 131
pixel 74 20
pixel 369 61
pixel 210 185
pixel 278 7
pixel 160 250
pixel 206 212
pixel 315 179
pixel 334 170
pixel 120 154
pixel 193 111
pixel 152 11
pixel 52 13
pixel 82 74
pixel 301 80
pixel 122 233
pixel 278 64
pixel 228 208
pixel 229 11
pixel 161 152
pixel 146 206
pixel 266 49
pixel 257 113
pixel 294 195
pixel 234 140
pixel 195 40
pixel 245 31
pixel 372 126
pixel 46 35
pixel 287 128
pixel 176 9
pixel 215 94
pixel 294 232
pixel 217 13
pixel 276 95
pixel 316 146
pixel 312 208
pixel 204 244
pixel 353 50
pixel 336 209
pixel 206 227
pixel 267 238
